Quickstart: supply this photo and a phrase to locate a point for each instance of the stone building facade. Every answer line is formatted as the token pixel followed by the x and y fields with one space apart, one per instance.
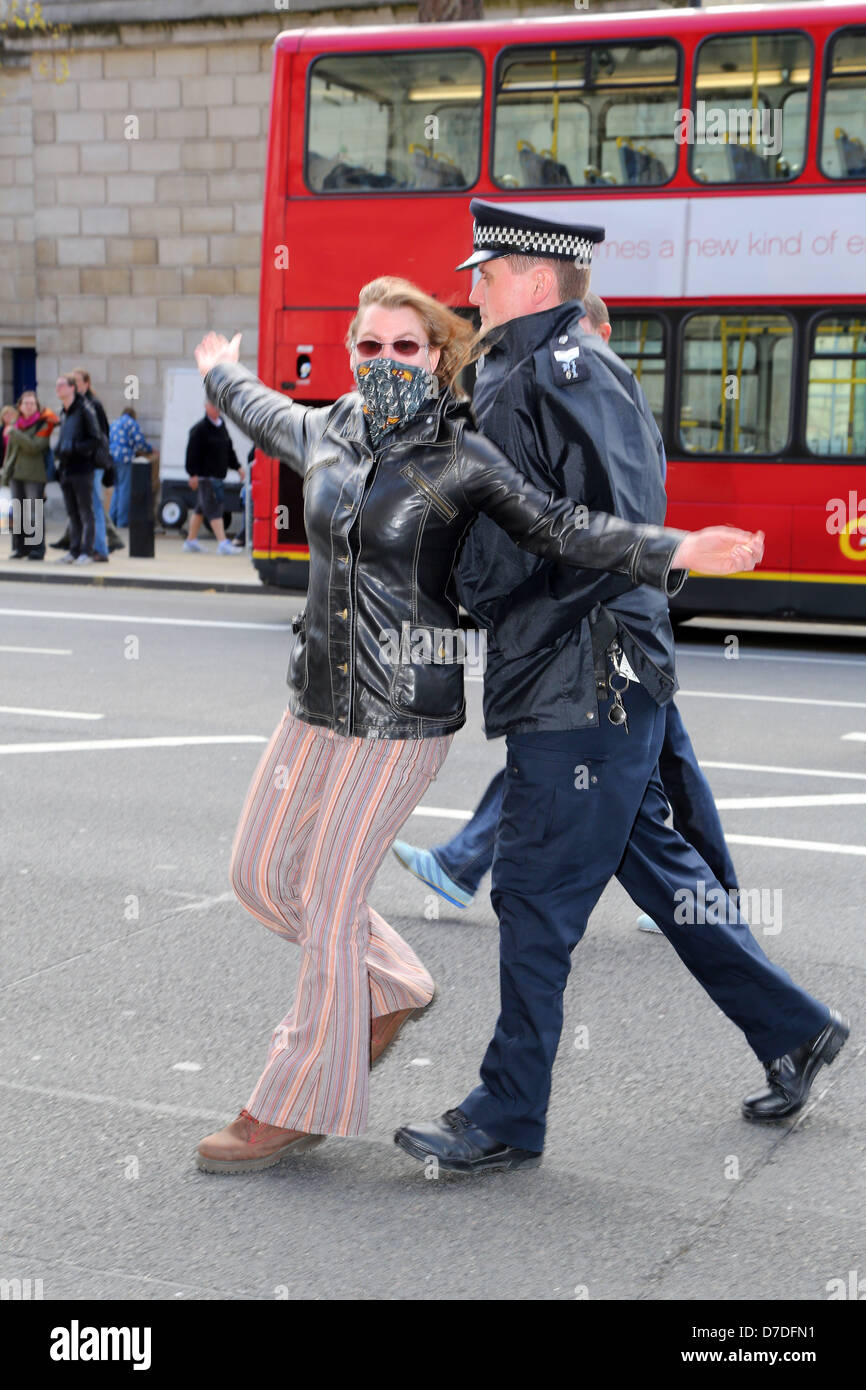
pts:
pixel 132 151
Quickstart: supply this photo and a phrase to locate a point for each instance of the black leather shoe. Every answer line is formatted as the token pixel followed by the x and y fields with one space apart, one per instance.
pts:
pixel 789 1078
pixel 459 1146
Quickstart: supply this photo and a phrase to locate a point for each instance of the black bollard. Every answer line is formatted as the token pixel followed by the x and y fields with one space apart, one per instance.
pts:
pixel 141 511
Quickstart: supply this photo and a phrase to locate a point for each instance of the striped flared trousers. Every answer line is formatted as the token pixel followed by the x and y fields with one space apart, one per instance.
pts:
pixel 320 815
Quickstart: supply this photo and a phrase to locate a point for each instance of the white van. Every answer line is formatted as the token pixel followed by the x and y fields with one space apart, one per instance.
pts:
pixel 183 407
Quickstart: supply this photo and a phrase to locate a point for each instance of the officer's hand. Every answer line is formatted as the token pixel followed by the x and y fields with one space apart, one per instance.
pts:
pixel 720 550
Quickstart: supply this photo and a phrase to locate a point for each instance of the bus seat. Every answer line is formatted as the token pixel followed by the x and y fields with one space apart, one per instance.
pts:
pixel 746 166
pixel 318 168
pixel 638 164
pixel 852 154
pixel 356 176
pixel 540 169
pixel 433 171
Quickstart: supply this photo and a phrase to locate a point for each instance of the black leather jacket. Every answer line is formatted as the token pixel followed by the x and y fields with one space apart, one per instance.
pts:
pixel 385 528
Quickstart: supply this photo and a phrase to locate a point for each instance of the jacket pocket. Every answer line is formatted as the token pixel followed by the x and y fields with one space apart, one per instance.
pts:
pixel 318 463
pixel 440 504
pixel 298 674
pixel 427 688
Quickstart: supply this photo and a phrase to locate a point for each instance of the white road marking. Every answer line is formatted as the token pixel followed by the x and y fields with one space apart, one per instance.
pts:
pixel 718 654
pixel 98 745
pixel 40 651
pixel 117 1102
pixel 128 618
pixel 187 1066
pixel 773 803
pixel 821 846
pixel 773 699
pixel 48 713
pixel 854 738
pixel 788 771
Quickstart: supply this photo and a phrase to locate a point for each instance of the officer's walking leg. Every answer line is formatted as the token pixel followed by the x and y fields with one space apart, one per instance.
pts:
pixel 691 800
pixel 569 802
pixel 668 879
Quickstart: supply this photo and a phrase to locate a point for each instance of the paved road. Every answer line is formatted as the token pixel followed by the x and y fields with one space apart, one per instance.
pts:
pixel 138 997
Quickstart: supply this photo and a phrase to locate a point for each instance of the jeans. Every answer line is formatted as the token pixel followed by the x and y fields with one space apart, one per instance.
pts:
pixel 467 857
pixel 119 509
pixel 100 539
pixel 77 489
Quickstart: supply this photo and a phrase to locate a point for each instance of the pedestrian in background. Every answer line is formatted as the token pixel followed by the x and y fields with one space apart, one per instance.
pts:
pixel 77 446
pixel 106 537
pixel 209 456
pixel 125 441
pixel 24 470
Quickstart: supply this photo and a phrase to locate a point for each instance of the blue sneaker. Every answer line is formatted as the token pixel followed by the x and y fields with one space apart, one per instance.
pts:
pixel 646 923
pixel 423 865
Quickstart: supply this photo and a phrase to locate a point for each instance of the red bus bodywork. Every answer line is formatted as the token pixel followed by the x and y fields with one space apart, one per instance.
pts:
pixel 336 241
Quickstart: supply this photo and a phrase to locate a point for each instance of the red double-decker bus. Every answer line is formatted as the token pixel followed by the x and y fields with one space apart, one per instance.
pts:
pixel 725 154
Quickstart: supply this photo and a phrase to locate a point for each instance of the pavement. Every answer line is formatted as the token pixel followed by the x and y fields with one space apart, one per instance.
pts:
pixel 138 996
pixel 170 568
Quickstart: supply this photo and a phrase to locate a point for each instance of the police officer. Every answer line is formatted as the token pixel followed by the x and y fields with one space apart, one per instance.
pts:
pixel 583 715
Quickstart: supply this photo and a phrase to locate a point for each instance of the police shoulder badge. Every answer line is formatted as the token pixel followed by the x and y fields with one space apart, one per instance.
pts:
pixel 568 359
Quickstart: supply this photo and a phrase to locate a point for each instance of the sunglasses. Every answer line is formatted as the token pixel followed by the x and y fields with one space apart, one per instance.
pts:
pixel 405 347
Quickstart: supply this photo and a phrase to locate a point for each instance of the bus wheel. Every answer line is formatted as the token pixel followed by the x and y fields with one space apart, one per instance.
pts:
pixel 172 514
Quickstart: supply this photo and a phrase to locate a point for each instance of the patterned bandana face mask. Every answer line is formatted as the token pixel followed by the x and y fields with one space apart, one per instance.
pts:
pixel 392 393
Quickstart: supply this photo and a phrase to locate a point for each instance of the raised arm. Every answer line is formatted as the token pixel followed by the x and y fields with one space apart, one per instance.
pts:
pixel 279 426
pixel 559 529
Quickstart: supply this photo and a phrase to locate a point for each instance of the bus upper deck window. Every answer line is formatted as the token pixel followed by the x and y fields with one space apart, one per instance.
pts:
pixel 843 123
pixel 736 385
pixel 579 116
pixel 394 121
pixel 750 113
pixel 836 403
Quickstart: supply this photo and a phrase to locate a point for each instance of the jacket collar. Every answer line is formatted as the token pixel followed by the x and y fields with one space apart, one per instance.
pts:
pixel 423 428
pixel 511 342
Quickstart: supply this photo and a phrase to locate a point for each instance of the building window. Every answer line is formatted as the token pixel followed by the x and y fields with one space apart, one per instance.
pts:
pixel 391 121
pixel 736 387
pixel 843 127
pixel 639 341
pixel 577 117
pixel 751 108
pixel 836 403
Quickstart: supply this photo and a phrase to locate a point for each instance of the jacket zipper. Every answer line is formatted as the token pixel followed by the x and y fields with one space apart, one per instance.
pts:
pixel 437 502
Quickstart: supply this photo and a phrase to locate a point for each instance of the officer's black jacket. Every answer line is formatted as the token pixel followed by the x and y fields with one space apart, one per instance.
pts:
pixel 385 528
pixel 578 423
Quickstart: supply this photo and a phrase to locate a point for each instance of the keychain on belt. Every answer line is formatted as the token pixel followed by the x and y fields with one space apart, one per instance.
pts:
pixel 617 713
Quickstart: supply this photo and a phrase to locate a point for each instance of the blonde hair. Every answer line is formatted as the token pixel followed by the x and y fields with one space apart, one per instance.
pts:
pixel 445 329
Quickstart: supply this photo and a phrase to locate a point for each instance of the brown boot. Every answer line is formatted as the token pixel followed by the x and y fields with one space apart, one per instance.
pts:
pixel 384 1029
pixel 246 1145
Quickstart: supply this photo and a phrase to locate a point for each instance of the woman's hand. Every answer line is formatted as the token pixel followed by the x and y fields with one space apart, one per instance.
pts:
pixel 214 348
pixel 720 550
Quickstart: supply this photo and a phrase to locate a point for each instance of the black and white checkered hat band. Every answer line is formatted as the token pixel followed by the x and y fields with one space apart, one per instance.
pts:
pixel 577 248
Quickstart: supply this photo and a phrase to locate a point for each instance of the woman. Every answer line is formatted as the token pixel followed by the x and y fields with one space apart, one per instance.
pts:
pixel 80 439
pixel 24 473
pixel 393 477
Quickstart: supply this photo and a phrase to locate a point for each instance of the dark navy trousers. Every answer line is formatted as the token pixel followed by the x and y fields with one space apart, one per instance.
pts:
pixel 580 807
pixel 468 855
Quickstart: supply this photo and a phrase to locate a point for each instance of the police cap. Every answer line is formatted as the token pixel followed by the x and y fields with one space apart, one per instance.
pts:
pixel 508 229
